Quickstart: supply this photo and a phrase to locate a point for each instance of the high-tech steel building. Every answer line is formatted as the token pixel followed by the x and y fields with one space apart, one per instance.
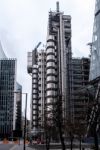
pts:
pixel 37 68
pixel 56 74
pixel 58 62
pixel 95 50
pixel 51 70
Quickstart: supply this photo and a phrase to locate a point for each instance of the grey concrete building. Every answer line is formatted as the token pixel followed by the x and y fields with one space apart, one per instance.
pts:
pixel 80 74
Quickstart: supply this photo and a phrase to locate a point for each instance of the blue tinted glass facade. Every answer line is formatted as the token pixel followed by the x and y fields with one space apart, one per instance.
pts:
pixel 95 53
pixel 7 88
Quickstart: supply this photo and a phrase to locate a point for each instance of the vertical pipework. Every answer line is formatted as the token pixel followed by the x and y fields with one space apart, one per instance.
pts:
pixel 57 6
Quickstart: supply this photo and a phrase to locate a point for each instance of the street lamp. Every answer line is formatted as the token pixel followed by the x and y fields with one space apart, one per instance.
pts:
pixel 24 148
pixel 25 120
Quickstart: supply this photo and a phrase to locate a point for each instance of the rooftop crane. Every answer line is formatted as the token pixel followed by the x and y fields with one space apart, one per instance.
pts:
pixel 33 58
pixel 34 53
pixel 37 45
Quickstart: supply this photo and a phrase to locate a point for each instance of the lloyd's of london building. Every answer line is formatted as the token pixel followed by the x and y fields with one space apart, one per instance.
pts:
pixel 56 75
pixel 37 68
pixel 58 62
pixel 51 70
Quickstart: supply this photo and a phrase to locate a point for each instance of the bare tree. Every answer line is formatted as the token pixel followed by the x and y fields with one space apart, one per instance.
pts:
pixel 80 131
pixel 47 136
pixel 55 122
pixel 47 130
pixel 70 130
pixel 58 119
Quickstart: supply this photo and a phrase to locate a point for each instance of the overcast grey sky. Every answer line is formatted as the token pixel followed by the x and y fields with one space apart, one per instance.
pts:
pixel 23 23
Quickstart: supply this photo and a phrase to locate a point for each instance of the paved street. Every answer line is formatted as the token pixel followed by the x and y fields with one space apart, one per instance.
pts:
pixel 55 146
pixel 6 146
pixel 13 147
pixel 20 147
pixel 38 147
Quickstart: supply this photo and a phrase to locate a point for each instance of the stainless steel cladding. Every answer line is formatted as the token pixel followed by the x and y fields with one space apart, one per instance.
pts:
pixel 51 72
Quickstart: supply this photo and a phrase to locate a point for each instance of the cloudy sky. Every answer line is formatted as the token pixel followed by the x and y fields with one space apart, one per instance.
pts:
pixel 23 23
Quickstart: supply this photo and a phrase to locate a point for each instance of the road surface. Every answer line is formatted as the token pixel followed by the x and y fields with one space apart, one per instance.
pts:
pixel 13 147
pixel 6 146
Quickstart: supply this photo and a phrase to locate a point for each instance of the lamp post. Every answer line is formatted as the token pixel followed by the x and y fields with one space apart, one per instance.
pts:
pixel 24 148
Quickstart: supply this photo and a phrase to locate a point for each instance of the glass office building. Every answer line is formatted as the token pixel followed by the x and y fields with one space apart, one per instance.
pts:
pixel 7 96
pixel 95 51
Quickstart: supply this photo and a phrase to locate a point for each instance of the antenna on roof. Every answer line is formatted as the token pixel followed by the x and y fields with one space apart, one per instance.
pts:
pixel 57 6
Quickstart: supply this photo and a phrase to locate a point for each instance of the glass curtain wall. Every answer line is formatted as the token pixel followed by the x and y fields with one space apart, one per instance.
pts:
pixel 95 52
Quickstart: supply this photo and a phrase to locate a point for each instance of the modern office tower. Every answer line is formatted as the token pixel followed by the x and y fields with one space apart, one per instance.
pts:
pixel 7 96
pixel 94 77
pixel 18 95
pixel 58 62
pixel 36 67
pixel 95 50
pixel 10 103
pixel 80 71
